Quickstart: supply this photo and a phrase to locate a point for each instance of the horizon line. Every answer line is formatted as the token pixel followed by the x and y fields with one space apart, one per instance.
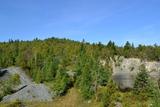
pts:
pixel 90 42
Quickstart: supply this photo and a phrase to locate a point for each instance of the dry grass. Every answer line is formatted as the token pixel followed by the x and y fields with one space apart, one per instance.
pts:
pixel 72 99
pixel 129 100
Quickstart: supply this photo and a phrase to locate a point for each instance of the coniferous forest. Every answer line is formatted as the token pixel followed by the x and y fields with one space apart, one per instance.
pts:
pixel 64 64
pixel 79 53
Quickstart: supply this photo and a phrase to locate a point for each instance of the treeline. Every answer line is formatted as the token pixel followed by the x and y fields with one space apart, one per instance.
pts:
pixel 36 52
pixel 63 63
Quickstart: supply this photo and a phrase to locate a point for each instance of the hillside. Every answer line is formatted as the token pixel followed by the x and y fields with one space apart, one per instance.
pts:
pixel 51 69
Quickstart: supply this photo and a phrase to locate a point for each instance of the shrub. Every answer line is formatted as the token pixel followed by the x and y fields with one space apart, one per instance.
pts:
pixel 142 85
pixel 85 83
pixel 107 94
pixel 156 96
pixel 61 83
pixel 16 103
pixel 6 86
pixel 60 86
pixel 15 79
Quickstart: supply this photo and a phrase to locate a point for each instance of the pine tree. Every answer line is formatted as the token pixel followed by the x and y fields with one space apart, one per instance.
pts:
pixel 142 85
pixel 85 83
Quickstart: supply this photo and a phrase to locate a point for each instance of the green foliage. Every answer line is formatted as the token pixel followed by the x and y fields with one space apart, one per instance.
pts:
pixel 91 75
pixel 61 83
pixel 112 49
pixel 142 86
pixel 15 79
pixel 107 94
pixel 7 85
pixel 16 103
pixel 159 83
pixel 38 75
pixel 85 82
pixel 5 89
pixel 156 97
pixel 128 50
pixel 48 61
pixel 103 96
pixel 50 69
pixel 103 75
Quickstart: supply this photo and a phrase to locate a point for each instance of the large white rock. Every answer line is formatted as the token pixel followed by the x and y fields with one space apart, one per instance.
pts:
pixel 126 69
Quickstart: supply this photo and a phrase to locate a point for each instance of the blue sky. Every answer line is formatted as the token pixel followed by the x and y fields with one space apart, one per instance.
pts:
pixel 137 21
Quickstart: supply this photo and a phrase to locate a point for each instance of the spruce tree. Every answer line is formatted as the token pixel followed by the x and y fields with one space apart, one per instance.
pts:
pixel 142 85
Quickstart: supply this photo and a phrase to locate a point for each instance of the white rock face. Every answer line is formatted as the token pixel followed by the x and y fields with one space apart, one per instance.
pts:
pixel 126 69
pixel 152 66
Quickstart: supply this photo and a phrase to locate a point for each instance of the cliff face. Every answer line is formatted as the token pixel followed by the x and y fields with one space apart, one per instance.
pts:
pixel 126 69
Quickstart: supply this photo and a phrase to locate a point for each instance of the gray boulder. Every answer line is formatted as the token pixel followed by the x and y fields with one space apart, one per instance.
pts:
pixel 26 90
pixel 4 75
pixel 125 80
pixel 33 92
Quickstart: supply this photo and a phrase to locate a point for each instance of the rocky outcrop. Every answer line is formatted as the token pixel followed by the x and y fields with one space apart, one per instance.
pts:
pixel 125 80
pixel 32 92
pixel 24 79
pixel 4 75
pixel 126 69
pixel 27 90
pixel 118 104
pixel 155 75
